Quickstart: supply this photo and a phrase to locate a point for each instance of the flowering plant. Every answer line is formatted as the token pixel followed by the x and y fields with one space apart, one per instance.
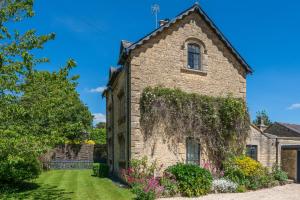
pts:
pixel 215 172
pixel 223 185
pixel 141 176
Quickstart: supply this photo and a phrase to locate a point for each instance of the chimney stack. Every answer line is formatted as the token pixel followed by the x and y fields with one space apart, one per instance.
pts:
pixel 262 125
pixel 163 22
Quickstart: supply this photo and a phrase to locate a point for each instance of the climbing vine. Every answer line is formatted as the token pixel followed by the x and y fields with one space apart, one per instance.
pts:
pixel 221 124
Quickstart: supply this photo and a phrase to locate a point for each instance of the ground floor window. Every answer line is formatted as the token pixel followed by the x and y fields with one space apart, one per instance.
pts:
pixel 122 148
pixel 192 151
pixel 251 151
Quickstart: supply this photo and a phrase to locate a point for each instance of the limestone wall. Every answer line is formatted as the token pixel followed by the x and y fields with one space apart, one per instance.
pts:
pixel 289 163
pixel 116 109
pixel 266 147
pixel 163 61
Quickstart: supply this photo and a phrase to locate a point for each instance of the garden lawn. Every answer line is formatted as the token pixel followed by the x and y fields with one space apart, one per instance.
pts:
pixel 67 185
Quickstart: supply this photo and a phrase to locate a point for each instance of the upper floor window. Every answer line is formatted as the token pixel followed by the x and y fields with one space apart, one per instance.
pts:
pixel 194 56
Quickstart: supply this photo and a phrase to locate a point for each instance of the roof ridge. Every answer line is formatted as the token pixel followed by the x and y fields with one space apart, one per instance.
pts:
pixel 207 19
pixel 288 127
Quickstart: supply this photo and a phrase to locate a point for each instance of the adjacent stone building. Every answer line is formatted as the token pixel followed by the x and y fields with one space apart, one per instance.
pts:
pixel 190 53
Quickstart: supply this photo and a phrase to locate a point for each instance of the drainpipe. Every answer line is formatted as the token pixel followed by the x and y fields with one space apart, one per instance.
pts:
pixel 277 152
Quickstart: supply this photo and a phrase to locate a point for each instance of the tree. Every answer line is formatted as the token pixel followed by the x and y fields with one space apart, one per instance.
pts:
pixel 101 125
pixel 262 116
pixel 98 133
pixel 37 109
pixel 53 105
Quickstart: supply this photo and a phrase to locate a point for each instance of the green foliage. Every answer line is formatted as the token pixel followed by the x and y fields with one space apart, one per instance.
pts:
pixel 141 194
pixel 262 116
pixel 141 177
pixel 98 135
pixel 140 168
pixel 222 123
pixel 100 170
pixel 18 161
pixel 279 174
pixel 241 189
pixel 37 109
pixel 248 172
pixel 101 125
pixel 53 106
pixel 170 185
pixel 16 49
pixel 192 180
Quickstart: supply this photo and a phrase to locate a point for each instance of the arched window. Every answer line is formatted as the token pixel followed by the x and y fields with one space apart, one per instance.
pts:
pixel 192 151
pixel 194 56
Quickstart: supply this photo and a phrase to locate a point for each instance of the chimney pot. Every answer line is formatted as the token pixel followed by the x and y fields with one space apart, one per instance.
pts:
pixel 163 22
pixel 262 125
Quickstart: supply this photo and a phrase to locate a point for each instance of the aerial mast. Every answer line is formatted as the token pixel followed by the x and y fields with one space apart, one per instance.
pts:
pixel 155 10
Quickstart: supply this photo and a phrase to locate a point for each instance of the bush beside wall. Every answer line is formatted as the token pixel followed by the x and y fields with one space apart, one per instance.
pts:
pixel 100 170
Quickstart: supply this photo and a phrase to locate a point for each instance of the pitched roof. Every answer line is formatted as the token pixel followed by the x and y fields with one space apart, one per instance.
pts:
pixel 284 130
pixel 195 8
pixel 126 43
pixel 294 127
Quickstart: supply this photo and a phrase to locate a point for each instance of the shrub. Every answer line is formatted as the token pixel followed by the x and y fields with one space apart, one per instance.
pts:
pixel 168 181
pixel 101 170
pixel 138 190
pixel 18 157
pixel 19 170
pixel 140 176
pixel 279 174
pixel 223 186
pixel 241 189
pixel 249 166
pixel 248 172
pixel 233 172
pixel 192 180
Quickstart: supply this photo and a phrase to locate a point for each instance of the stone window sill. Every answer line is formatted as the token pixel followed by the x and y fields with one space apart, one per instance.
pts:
pixel 193 71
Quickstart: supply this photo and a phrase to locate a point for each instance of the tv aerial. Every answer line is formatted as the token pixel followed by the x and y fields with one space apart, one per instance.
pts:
pixel 155 10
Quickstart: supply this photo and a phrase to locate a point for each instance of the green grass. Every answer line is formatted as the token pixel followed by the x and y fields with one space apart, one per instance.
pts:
pixel 67 185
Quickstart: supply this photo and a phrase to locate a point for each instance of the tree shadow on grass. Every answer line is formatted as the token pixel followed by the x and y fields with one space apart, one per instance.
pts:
pixel 33 191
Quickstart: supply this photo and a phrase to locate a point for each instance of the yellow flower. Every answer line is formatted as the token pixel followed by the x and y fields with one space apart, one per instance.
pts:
pixel 248 165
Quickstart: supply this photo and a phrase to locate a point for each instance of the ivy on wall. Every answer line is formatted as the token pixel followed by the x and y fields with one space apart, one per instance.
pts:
pixel 221 124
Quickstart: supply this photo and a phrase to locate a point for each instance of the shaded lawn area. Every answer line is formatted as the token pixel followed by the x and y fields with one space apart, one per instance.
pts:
pixel 67 185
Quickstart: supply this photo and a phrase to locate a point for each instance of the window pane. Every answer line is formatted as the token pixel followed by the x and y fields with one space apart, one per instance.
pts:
pixel 196 61
pixel 191 61
pixel 193 56
pixel 251 151
pixel 193 155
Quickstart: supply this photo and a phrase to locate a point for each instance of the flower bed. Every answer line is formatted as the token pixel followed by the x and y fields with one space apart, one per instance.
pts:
pixel 240 174
pixel 251 175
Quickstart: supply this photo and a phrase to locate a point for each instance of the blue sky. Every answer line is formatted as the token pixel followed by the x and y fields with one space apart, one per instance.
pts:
pixel 266 33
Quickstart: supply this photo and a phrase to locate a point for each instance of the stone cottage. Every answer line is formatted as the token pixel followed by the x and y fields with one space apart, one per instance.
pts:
pixel 188 52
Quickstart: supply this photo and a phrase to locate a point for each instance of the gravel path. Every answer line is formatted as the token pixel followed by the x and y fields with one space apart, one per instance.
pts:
pixel 287 192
